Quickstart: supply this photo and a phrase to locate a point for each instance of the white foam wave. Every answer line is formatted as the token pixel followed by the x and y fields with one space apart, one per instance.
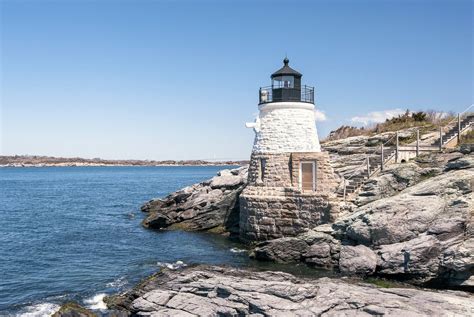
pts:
pixel 237 250
pixel 39 310
pixel 96 302
pixel 172 266
pixel 121 281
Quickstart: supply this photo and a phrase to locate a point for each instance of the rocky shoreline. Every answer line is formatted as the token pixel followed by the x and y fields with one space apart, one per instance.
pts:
pixel 412 223
pixel 219 291
pixel 223 291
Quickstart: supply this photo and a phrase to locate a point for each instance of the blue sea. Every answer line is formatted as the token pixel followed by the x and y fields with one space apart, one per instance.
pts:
pixel 74 233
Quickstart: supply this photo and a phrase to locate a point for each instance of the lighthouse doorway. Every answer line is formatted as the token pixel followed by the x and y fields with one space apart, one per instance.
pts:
pixel 308 176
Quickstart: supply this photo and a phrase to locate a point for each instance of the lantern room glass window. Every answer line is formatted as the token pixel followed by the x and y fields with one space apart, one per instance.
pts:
pixel 283 82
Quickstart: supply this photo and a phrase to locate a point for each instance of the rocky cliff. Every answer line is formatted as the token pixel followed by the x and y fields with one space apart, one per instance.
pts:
pixel 212 205
pixel 219 291
pixel 414 221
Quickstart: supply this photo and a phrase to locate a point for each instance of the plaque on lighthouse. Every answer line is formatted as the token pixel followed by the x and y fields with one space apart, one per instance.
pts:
pixel 291 182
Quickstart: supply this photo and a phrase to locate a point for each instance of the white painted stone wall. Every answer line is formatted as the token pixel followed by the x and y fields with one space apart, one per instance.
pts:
pixel 286 127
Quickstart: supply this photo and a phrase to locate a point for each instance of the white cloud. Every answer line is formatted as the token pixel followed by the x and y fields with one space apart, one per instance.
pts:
pixel 319 115
pixel 377 116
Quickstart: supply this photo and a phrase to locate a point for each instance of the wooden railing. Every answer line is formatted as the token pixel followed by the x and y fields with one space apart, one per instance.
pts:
pixel 463 122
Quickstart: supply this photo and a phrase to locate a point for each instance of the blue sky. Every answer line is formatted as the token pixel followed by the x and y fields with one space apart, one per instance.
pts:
pixel 178 79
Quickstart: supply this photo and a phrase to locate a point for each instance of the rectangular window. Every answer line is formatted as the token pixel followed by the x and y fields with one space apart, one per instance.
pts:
pixel 263 163
pixel 308 176
pixel 283 82
pixel 288 82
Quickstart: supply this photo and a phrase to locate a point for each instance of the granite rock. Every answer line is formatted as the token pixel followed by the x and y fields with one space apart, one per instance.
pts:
pixel 219 291
pixel 357 260
pixel 423 233
pixel 209 205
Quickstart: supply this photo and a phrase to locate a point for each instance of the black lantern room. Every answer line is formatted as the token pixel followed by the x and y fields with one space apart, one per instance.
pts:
pixel 286 86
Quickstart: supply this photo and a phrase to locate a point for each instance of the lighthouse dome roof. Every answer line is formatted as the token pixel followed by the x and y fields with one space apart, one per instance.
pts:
pixel 286 70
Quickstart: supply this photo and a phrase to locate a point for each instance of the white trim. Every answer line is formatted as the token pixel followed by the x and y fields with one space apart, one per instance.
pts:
pixel 301 174
pixel 286 105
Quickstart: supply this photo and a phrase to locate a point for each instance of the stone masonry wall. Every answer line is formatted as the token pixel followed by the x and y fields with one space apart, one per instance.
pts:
pixel 282 170
pixel 265 217
pixel 277 170
pixel 274 206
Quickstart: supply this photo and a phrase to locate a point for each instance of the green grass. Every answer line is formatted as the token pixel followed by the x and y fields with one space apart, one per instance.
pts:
pixel 382 283
pixel 74 309
pixel 428 175
pixel 468 138
pixel 217 230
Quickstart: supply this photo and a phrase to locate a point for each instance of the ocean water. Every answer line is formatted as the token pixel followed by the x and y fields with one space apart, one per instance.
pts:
pixel 74 233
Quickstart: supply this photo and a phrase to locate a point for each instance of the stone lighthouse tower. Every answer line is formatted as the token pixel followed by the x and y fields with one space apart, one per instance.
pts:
pixel 291 182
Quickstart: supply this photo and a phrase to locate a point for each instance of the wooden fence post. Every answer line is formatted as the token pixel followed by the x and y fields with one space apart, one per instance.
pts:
pixel 459 128
pixel 344 190
pixel 368 167
pixel 440 138
pixel 396 149
pixel 381 157
pixel 417 142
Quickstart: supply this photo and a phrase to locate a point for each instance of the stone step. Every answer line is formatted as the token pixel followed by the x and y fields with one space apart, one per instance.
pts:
pixel 374 164
pixel 355 183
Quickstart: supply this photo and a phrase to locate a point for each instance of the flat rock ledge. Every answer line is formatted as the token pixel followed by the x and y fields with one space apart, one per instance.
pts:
pixel 222 291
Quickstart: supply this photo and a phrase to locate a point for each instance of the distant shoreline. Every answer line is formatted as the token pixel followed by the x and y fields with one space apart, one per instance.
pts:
pixel 117 165
pixel 19 161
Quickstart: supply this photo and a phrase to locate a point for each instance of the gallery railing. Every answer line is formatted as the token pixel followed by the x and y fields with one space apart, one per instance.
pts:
pixel 275 94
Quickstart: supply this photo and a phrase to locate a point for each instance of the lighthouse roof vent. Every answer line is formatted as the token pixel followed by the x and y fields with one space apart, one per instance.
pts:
pixel 286 70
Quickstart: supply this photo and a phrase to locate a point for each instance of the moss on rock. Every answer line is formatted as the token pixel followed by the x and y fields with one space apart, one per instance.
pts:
pixel 73 309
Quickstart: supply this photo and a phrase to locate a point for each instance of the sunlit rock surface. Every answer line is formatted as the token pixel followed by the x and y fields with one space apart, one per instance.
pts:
pixel 421 232
pixel 219 291
pixel 209 205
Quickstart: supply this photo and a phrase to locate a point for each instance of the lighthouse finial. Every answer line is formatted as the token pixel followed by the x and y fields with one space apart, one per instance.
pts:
pixel 286 60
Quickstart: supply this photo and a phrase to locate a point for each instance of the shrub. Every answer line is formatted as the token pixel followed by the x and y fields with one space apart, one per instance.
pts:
pixel 419 116
pixel 468 138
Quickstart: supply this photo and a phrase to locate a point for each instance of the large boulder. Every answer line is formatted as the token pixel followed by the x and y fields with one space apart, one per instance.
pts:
pixel 417 255
pixel 421 231
pixel 211 205
pixel 314 247
pixel 393 180
pixel 357 260
pixel 427 205
pixel 218 291
pixel 281 250
pixel 461 163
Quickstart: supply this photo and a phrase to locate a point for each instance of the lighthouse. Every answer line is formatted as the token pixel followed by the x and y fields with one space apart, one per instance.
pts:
pixel 291 183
